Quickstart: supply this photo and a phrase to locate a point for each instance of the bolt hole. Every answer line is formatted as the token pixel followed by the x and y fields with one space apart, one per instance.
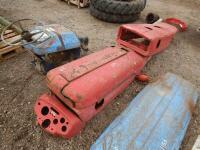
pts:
pixel 39 103
pixel 64 128
pixel 158 44
pixel 99 104
pixel 62 120
pixel 55 121
pixel 67 122
pixel 45 111
pixel 46 123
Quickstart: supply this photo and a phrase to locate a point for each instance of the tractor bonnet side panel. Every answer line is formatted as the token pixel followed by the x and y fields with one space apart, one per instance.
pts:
pixel 156 119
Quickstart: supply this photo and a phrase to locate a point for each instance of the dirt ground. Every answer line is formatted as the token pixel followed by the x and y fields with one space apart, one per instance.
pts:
pixel 20 85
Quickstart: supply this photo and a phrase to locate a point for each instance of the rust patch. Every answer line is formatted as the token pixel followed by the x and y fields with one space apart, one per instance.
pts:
pixel 79 97
pixel 165 88
pixel 190 106
pixel 180 125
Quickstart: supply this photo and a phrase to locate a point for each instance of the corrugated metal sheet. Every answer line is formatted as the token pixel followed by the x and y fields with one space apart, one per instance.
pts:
pixel 156 119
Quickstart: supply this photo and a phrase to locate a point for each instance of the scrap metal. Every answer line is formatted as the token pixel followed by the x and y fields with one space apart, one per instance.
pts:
pixel 83 88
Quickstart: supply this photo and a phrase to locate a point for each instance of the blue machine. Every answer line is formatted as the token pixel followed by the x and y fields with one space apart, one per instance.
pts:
pixel 51 45
pixel 157 119
pixel 54 45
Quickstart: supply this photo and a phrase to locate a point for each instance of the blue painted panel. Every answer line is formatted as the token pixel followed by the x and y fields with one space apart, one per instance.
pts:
pixel 69 38
pixel 156 119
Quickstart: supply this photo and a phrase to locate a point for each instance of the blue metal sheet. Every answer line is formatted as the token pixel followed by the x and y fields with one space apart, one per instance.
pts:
pixel 156 119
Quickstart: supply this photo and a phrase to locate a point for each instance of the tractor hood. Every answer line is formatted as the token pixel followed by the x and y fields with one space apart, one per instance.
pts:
pixel 80 83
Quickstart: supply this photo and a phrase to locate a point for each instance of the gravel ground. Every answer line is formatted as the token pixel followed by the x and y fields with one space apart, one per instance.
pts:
pixel 20 85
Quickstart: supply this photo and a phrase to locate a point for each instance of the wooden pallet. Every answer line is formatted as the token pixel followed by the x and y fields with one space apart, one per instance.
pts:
pixel 7 51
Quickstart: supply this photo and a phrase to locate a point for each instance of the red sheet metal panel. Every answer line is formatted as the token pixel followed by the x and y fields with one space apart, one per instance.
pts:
pixel 54 118
pixel 95 85
pixel 159 36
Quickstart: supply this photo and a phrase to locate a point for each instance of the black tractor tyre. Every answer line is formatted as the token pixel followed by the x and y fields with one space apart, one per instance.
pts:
pixel 113 18
pixel 119 7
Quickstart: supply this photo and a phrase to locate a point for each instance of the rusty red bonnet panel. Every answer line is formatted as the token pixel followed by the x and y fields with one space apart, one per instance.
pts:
pixel 83 88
